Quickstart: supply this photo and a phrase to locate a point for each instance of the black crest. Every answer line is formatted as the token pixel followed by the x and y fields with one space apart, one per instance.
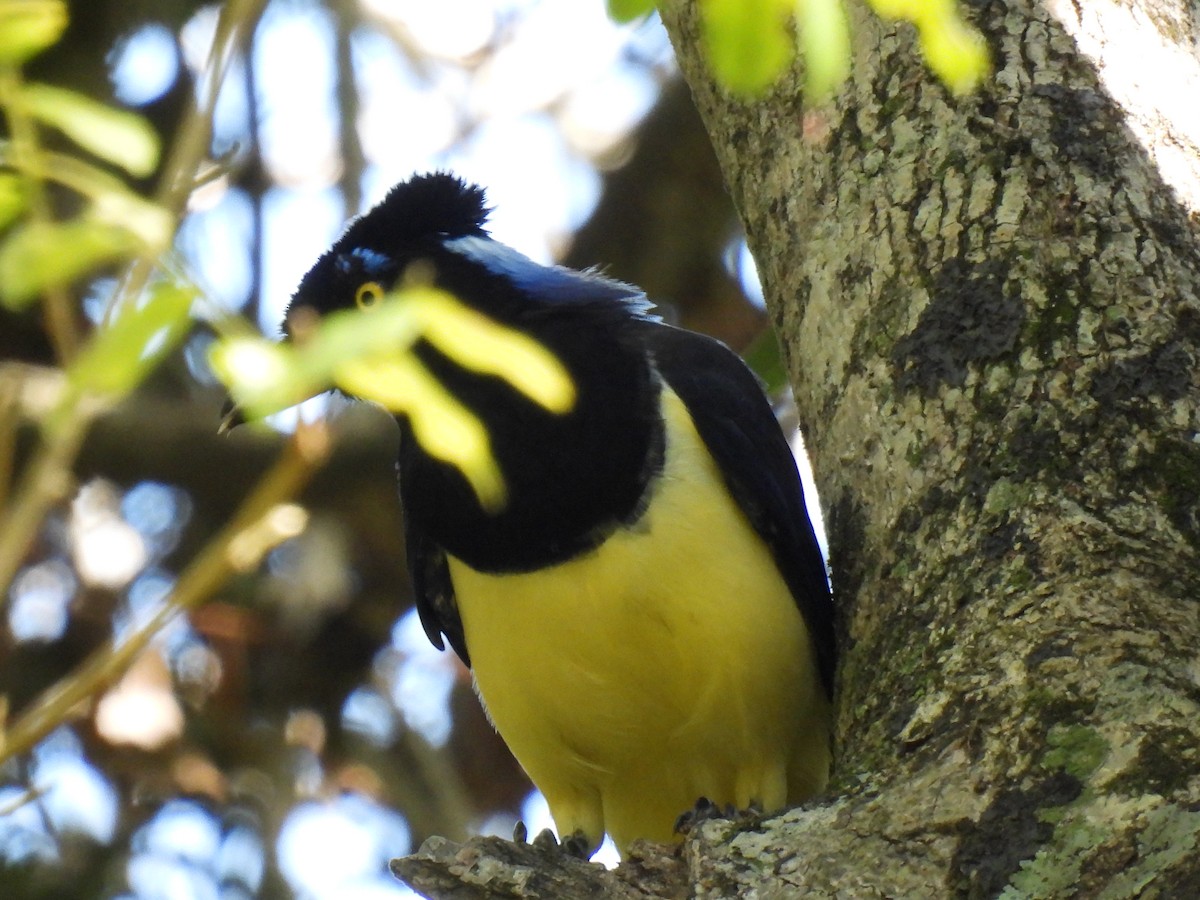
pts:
pixel 436 204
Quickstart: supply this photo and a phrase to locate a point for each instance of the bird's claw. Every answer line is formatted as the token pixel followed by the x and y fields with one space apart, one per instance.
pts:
pixel 706 811
pixel 574 845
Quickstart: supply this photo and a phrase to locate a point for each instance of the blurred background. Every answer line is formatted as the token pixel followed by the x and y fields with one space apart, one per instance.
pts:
pixel 298 730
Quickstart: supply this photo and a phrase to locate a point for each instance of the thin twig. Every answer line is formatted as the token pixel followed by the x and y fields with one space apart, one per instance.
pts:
pixel 30 795
pixel 238 20
pixel 353 159
pixel 46 481
pixel 10 420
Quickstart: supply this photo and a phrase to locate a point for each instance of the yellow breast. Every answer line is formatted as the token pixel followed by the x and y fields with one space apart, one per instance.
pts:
pixel 668 664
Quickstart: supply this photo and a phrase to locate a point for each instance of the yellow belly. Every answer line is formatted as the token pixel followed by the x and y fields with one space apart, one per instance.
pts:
pixel 668 664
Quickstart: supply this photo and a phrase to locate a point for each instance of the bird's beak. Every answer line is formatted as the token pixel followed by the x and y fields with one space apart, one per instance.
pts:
pixel 231 416
pixel 298 325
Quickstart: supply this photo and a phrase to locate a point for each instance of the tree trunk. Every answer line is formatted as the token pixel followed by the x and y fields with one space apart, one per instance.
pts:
pixel 991 312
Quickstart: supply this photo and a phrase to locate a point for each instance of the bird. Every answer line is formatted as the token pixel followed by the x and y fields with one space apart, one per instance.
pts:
pixel 647 618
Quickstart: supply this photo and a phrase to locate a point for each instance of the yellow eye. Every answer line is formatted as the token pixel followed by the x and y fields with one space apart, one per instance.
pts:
pixel 369 294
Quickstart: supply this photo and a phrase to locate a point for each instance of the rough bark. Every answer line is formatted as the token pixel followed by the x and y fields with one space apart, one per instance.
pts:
pixel 991 309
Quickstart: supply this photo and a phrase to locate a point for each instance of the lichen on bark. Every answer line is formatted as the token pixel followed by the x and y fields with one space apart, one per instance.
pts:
pixel 989 310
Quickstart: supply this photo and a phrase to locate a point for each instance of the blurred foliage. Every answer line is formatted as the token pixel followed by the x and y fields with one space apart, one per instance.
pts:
pixel 117 136
pixel 751 42
pixel 122 353
pixel 953 49
pixel 40 257
pixel 27 27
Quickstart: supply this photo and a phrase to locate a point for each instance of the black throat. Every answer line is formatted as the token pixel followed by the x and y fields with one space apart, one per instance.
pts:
pixel 571 479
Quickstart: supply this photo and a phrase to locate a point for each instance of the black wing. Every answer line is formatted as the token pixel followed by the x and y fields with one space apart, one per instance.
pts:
pixel 736 423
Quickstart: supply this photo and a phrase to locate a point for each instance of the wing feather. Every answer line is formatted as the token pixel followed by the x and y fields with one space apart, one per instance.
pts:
pixel 733 417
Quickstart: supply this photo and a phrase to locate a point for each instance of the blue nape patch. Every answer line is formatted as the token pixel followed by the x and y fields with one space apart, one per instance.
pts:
pixel 364 260
pixel 549 283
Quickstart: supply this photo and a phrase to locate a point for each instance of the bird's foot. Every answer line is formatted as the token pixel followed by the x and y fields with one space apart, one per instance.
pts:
pixel 706 811
pixel 575 845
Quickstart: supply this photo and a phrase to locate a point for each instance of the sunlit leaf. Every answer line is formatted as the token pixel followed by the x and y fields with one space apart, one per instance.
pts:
pixel 478 343
pixel 749 41
pixel 116 135
pixel 953 49
pixel 27 27
pixel 53 254
pixel 262 375
pixel 390 327
pixel 122 353
pixel 628 10
pixel 824 37
pixel 153 225
pixel 12 199
pixel 957 54
pixel 445 428
pixel 265 377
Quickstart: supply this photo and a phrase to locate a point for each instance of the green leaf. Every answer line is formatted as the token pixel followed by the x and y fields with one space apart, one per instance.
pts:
pixel 957 54
pixel 482 344
pixel 27 27
pixel 764 357
pixel 446 428
pixel 825 46
pixel 116 135
pixel 121 354
pixel 954 50
pixel 749 42
pixel 153 225
pixel 12 199
pixel 53 254
pixel 265 377
pixel 628 10
pixel 261 375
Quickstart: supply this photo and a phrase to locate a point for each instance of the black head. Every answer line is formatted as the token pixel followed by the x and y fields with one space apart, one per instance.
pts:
pixel 410 223
pixel 435 224
pixel 438 205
